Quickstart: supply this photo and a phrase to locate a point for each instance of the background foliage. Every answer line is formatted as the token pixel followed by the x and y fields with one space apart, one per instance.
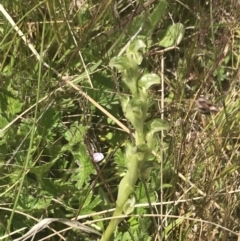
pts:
pixel 50 130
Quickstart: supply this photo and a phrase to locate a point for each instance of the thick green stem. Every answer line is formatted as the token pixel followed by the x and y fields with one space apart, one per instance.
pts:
pixel 112 225
pixel 139 138
pixel 126 188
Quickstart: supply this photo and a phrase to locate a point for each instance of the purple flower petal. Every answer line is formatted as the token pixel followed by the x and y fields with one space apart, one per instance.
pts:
pixel 97 156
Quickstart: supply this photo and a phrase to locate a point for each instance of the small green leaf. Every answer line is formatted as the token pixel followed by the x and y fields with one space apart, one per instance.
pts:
pixel 148 80
pixel 133 51
pixel 121 63
pixel 14 106
pixel 149 139
pixel 3 122
pixel 135 106
pixel 156 125
pixel 136 113
pixel 109 135
pixel 124 102
pixel 173 35
pixel 129 205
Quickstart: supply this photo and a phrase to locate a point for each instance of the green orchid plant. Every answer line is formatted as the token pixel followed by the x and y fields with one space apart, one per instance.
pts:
pixel 135 109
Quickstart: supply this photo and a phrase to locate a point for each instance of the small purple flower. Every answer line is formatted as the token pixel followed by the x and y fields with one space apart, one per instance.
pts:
pixel 97 156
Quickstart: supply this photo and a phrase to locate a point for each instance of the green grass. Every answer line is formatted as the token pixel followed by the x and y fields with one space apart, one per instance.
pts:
pixel 59 98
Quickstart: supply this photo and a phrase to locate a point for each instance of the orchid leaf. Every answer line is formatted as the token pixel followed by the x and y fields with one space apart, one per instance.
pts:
pixel 121 63
pixel 133 51
pixel 148 80
pixel 156 125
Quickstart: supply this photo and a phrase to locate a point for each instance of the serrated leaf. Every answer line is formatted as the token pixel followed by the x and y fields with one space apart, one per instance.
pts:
pixel 29 202
pixel 90 203
pixel 75 134
pixel 43 168
pixel 3 122
pixel 119 158
pixel 49 119
pixel 14 106
pixel 104 197
pixel 82 174
pixel 173 35
pixel 4 95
